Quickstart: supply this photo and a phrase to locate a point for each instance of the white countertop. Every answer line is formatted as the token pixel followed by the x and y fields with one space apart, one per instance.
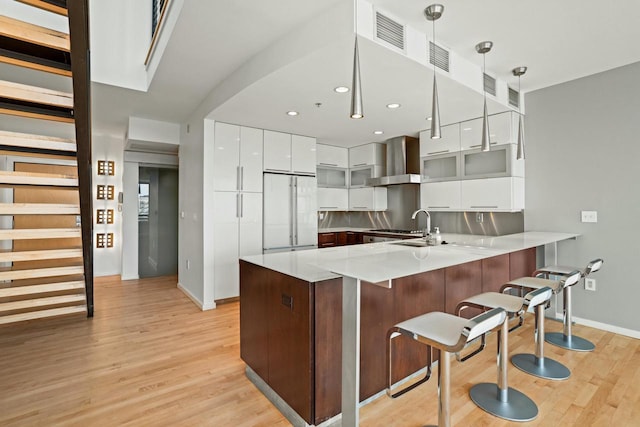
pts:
pixel 341 229
pixel 378 262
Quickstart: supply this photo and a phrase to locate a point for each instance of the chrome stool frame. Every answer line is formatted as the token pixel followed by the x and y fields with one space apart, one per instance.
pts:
pixel 537 364
pixel 566 339
pixel 449 334
pixel 500 399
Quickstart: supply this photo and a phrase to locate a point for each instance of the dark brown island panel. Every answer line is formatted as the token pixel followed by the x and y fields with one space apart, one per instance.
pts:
pixel 290 329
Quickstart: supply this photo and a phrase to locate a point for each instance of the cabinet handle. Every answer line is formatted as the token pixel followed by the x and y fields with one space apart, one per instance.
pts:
pixel 439 152
pixel 480 145
pixel 304 173
pixel 238 205
pixel 438 207
pixel 361 207
pixel 237 177
pixel 477 207
pixel 361 164
pixel 287 301
pixel 328 207
pixel 276 170
pixel 241 205
pixel 241 177
pixel 328 164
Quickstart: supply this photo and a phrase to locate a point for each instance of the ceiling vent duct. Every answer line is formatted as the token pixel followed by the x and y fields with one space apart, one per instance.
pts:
pixel 438 56
pixel 489 84
pixel 389 31
pixel 514 98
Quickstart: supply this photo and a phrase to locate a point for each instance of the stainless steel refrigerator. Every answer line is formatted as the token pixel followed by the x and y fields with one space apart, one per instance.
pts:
pixel 290 219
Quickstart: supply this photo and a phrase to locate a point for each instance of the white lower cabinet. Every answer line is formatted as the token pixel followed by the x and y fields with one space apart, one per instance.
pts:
pixel 444 196
pixel 368 199
pixel 492 194
pixel 333 199
pixel 237 231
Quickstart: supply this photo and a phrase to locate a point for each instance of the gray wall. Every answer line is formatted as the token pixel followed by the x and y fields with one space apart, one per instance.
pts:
pixel 583 153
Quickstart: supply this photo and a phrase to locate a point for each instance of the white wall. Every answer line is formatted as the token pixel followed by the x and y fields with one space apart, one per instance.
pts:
pixel 153 131
pixel 582 154
pixel 107 261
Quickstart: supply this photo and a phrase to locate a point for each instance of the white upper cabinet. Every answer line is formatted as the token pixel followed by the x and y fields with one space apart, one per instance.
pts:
pixel 368 199
pixel 328 155
pixel 440 196
pixel 303 154
pixel 333 199
pixel 289 153
pixel 449 141
pixel 492 194
pixel 501 131
pixel 365 155
pixel 277 151
pixel 237 158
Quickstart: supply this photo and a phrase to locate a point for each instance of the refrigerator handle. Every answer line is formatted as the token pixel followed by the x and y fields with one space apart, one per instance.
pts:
pixel 238 178
pixel 291 211
pixel 295 210
pixel 241 205
pixel 237 205
pixel 241 177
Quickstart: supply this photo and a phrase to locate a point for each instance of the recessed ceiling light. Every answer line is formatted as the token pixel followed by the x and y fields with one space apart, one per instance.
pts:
pixel 429 118
pixel 292 113
pixel 378 132
pixel 393 106
pixel 466 128
pixel 341 89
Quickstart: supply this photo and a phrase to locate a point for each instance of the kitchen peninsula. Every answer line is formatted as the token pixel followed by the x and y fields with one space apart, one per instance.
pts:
pixel 293 331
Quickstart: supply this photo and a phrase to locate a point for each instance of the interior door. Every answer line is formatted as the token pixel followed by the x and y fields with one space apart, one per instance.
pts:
pixel 306 211
pixel 277 211
pixel 45 195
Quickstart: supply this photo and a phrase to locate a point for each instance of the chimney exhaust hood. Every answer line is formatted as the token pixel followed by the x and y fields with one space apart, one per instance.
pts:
pixel 403 163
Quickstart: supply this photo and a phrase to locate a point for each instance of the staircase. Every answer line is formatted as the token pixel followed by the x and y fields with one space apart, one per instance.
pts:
pixel 46 269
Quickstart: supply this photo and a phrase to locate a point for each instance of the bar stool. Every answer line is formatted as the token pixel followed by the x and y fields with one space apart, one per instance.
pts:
pixel 536 364
pixel 500 399
pixel 566 339
pixel 449 334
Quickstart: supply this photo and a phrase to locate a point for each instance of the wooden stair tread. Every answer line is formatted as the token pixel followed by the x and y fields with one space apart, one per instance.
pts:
pixel 30 290
pixel 36 141
pixel 39 233
pixel 42 314
pixel 40 255
pixel 32 178
pixel 36 95
pixel 38 209
pixel 41 272
pixel 56 6
pixel 20 30
pixel 39 303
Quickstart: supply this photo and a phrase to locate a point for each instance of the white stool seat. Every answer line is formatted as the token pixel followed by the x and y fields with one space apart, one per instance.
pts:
pixel 441 328
pixel 536 283
pixel 510 303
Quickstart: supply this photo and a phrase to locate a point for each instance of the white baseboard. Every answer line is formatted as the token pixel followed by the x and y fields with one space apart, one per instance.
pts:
pixel 196 301
pixel 606 327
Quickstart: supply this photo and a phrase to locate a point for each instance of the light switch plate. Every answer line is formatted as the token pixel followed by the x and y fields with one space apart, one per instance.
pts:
pixel 589 216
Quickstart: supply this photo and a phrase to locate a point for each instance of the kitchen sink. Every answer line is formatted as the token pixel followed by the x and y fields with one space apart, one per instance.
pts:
pixel 414 243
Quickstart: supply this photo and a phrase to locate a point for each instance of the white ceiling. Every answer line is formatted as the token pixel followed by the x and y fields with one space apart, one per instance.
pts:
pixel 558 41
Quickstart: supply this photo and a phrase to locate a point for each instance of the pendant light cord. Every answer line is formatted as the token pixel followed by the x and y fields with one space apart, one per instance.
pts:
pixel 484 72
pixel 433 42
pixel 355 17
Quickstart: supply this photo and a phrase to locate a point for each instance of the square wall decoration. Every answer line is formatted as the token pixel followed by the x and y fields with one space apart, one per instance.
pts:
pixel 106 192
pixel 104 216
pixel 106 167
pixel 104 240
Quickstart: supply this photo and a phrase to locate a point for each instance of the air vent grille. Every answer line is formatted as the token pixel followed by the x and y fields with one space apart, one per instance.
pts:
pixel 389 31
pixel 489 84
pixel 438 56
pixel 514 98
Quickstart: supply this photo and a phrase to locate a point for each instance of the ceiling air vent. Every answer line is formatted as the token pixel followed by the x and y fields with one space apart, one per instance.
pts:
pixel 514 98
pixel 389 31
pixel 438 57
pixel 489 84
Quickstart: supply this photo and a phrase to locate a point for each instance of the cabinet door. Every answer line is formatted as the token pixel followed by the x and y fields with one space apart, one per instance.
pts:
pixel 440 195
pixel 250 233
pixel 333 199
pixel 502 129
pixel 225 244
pixel 277 151
pixel 361 199
pixel 277 194
pixel 226 172
pixel 368 154
pixel 380 199
pixel 448 142
pixel 328 155
pixel 500 194
pixel 251 159
pixel 499 131
pixel 443 167
pixel 303 154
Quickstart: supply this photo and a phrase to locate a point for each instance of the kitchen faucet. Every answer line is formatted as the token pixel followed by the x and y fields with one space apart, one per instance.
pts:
pixel 427 230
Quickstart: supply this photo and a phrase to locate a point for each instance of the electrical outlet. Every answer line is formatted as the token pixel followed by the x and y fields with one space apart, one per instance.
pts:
pixel 188 264
pixel 590 284
pixel 589 216
pixel 479 217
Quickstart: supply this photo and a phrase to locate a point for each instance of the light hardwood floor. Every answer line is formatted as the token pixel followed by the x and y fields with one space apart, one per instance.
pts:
pixel 150 357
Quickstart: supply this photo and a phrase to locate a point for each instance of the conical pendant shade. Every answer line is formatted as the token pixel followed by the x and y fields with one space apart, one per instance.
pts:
pixel 520 153
pixel 356 92
pixel 486 141
pixel 435 112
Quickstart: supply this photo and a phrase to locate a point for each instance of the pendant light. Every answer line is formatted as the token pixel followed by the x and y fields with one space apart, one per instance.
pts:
pixel 519 72
pixel 356 92
pixel 483 48
pixel 433 13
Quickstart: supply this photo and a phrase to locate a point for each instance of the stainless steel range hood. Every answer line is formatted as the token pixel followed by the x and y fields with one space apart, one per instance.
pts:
pixel 403 163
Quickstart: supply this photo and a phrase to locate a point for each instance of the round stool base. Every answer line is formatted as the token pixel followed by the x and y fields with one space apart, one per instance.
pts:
pixel 570 343
pixel 518 407
pixel 548 369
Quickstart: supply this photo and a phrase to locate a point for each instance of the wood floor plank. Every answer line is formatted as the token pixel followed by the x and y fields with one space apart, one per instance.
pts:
pixel 39 233
pixel 151 357
pixel 30 33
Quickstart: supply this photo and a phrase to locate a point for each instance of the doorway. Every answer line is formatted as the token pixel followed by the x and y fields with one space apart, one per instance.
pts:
pixel 157 221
